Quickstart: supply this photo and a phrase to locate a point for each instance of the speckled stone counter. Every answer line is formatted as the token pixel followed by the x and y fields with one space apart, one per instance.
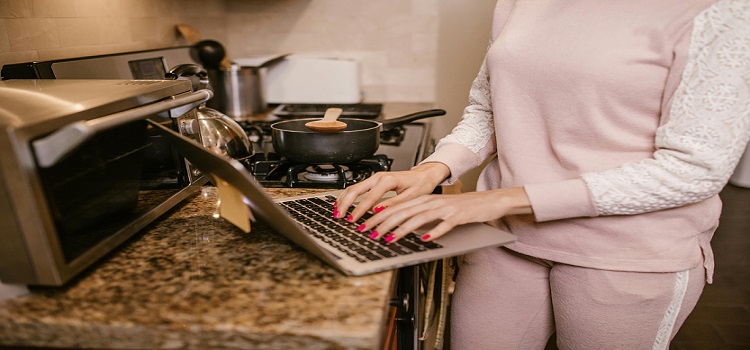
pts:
pixel 191 280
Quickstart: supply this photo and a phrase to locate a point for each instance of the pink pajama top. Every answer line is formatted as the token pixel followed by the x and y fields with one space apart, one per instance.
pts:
pixel 621 119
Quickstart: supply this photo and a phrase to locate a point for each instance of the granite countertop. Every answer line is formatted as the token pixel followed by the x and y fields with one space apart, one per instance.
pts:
pixel 191 280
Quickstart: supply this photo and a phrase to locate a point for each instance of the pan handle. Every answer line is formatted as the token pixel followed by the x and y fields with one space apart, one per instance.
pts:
pixel 392 123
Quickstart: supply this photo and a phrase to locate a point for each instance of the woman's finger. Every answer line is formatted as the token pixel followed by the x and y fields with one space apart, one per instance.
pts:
pixel 402 197
pixel 408 184
pixel 407 217
pixel 378 189
pixel 437 231
pixel 375 189
pixel 411 225
pixel 347 197
pixel 389 210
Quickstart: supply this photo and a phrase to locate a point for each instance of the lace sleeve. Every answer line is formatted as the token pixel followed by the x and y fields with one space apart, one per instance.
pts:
pixel 697 150
pixel 476 127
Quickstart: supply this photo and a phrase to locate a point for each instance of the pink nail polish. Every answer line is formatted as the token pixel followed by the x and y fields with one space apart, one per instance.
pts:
pixel 335 213
pixel 361 228
pixel 425 237
pixel 350 218
pixel 378 209
pixel 389 238
pixel 335 205
pixel 374 235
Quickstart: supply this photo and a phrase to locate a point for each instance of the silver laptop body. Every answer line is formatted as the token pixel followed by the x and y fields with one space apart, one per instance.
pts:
pixel 460 240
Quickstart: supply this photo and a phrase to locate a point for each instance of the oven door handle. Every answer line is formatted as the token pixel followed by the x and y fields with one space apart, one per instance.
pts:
pixel 52 148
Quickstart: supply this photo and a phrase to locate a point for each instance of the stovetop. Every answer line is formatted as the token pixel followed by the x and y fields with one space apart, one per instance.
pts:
pixel 398 150
pixel 273 171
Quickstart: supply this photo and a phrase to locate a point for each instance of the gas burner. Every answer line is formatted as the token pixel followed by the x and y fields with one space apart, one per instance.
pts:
pixel 326 173
pixel 272 171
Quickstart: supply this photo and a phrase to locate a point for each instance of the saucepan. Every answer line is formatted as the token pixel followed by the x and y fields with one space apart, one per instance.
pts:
pixel 359 140
pixel 238 90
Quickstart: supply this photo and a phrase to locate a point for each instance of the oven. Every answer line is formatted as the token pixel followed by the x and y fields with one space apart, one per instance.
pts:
pixel 400 148
pixel 81 170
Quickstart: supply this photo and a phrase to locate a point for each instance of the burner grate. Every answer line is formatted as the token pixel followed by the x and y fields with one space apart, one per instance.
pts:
pixel 274 172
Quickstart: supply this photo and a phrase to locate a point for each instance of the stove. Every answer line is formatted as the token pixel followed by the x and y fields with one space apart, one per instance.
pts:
pixel 400 149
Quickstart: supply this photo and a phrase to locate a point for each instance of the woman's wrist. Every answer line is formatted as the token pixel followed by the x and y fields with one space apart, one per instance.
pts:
pixel 435 172
pixel 514 201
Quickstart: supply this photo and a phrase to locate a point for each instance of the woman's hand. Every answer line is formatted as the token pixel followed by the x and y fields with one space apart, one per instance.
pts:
pixel 396 221
pixel 410 184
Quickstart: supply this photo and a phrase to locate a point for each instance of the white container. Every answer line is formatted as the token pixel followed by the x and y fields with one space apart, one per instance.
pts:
pixel 298 79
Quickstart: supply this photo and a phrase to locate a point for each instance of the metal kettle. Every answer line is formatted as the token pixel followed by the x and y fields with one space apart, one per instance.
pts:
pixel 217 131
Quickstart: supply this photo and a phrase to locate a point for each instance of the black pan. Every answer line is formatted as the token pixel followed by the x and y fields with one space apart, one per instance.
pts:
pixel 361 138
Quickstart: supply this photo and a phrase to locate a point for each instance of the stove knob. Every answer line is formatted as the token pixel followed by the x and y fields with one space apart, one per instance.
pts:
pixel 401 303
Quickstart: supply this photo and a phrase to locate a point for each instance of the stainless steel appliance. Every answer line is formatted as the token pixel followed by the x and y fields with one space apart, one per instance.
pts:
pixel 81 170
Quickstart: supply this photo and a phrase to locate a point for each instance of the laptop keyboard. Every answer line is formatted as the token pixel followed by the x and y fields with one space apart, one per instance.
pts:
pixel 315 214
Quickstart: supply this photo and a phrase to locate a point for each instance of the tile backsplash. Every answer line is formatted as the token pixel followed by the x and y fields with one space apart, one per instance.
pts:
pixel 54 29
pixel 395 41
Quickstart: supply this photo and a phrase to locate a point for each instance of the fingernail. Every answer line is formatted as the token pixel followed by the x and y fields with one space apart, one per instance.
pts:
pixel 425 237
pixel 350 218
pixel 374 235
pixel 335 205
pixel 389 238
pixel 361 228
pixel 378 209
pixel 335 213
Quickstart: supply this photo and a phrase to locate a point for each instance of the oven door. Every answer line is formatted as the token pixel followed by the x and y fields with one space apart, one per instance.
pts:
pixel 108 183
pixel 92 184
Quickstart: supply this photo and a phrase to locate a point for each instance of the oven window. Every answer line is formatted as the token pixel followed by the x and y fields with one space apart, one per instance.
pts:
pixel 108 182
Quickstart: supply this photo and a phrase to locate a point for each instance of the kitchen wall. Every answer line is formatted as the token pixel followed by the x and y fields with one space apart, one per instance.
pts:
pixel 395 40
pixel 52 29
pixel 463 34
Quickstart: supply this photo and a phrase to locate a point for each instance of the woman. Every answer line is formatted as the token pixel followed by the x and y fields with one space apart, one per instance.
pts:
pixel 614 125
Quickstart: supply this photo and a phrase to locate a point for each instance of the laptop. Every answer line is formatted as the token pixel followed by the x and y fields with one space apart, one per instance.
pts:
pixel 307 221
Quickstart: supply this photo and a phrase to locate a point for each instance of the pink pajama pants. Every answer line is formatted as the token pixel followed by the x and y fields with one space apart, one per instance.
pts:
pixel 506 300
